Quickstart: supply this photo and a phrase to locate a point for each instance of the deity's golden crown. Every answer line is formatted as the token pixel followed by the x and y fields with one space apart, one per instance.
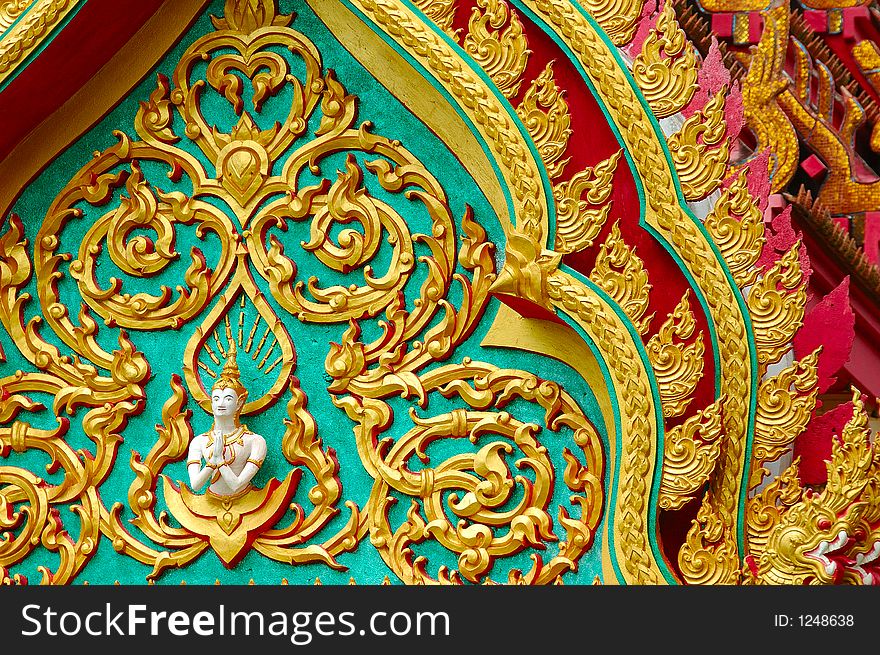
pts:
pixel 230 376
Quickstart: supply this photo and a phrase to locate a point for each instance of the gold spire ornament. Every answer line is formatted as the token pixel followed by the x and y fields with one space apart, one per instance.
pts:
pixel 230 378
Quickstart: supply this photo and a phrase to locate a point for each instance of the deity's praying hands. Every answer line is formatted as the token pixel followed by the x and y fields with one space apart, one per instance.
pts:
pixel 232 455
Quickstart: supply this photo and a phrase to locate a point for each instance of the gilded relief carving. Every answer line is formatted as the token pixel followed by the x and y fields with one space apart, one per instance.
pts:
pixel 463 457
pixel 256 170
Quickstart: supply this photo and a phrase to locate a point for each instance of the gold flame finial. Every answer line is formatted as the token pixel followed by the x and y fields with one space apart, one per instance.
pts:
pixel 230 368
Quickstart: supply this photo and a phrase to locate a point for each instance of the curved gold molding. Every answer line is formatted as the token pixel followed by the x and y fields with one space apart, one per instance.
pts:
pixel 556 340
pixel 663 212
pixel 416 93
pixel 34 26
pixel 96 98
pixel 10 10
pixel 638 422
pixel 498 126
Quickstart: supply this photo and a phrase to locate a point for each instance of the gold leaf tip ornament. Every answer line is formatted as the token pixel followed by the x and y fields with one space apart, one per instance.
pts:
pixel 230 368
pixel 666 68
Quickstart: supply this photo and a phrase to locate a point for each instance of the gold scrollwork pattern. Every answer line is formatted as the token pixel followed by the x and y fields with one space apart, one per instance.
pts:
pixel 776 303
pixel 473 487
pixel 711 548
pixel 519 168
pixel 10 10
pixel 617 18
pixel 699 149
pixel 325 206
pixel 690 453
pixel 677 365
pixel 736 224
pixel 621 273
pixel 131 225
pixel 785 404
pixel 582 205
pixel 402 300
pixel 545 114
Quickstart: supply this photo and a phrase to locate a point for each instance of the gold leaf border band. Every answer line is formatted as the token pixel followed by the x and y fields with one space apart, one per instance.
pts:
pixel 664 213
pixel 30 31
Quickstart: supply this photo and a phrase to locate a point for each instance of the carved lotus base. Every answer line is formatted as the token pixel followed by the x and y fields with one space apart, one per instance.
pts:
pixel 230 524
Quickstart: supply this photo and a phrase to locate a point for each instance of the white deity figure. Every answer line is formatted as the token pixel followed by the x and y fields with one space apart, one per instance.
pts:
pixel 232 455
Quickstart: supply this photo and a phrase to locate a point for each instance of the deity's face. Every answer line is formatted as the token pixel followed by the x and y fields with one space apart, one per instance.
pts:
pixel 225 402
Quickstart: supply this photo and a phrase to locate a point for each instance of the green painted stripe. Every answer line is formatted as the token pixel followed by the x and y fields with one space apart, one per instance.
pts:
pixel 21 17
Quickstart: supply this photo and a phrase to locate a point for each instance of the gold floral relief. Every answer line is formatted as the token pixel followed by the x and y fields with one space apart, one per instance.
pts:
pixel 677 364
pixel 776 304
pixel 785 405
pixel 766 508
pixel 690 454
pixel 10 10
pixel 712 547
pixel 617 18
pixel 355 367
pixel 506 54
pixel 736 225
pixel 481 480
pixel 700 150
pixel 256 170
pixel 621 273
pixel 492 500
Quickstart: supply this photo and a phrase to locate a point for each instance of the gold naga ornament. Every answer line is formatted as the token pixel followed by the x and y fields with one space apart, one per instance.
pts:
pixel 647 439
